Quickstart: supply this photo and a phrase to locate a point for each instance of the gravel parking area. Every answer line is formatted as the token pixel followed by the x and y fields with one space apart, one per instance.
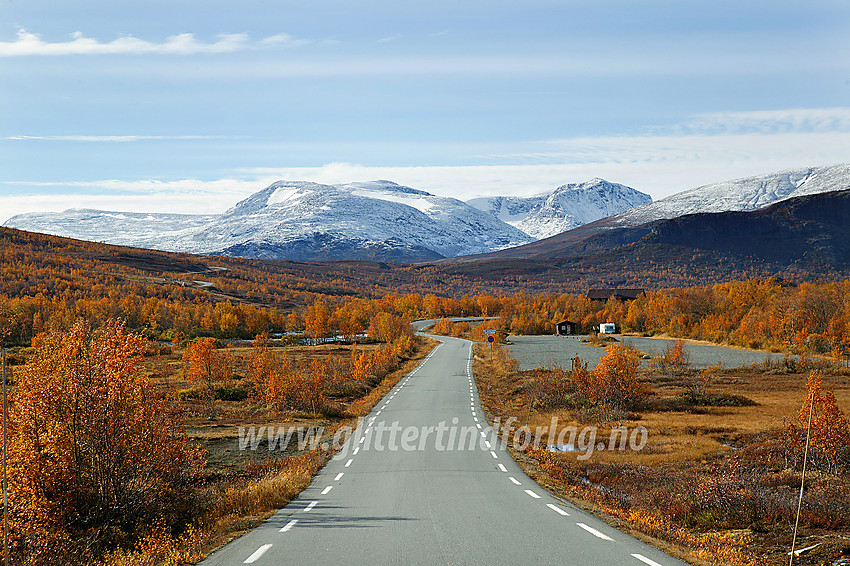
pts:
pixel 553 351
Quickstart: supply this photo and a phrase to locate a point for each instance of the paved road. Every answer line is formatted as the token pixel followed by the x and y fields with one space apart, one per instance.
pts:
pixel 432 506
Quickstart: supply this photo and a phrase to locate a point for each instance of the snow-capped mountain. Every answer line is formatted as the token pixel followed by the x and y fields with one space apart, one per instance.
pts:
pixel 564 208
pixel 141 230
pixel 740 195
pixel 305 221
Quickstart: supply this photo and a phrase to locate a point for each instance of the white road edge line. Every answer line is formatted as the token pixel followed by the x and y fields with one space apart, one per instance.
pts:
pixel 327 489
pixel 594 532
pixel 257 553
pixel 557 509
pixel 309 507
pixel 646 560
pixel 532 494
pixel 288 525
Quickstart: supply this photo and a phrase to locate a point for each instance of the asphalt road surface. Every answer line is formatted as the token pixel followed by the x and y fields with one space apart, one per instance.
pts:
pixel 432 500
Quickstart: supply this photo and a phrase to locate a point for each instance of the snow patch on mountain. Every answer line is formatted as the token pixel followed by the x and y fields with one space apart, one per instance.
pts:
pixel 564 208
pixel 142 230
pixel 304 221
pixel 741 194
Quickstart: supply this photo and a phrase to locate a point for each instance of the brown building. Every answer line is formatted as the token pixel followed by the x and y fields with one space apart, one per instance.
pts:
pixel 621 294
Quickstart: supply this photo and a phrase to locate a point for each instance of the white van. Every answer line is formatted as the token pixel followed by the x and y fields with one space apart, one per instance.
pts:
pixel 607 328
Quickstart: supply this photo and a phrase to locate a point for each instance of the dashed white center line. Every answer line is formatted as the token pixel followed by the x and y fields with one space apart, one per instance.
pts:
pixel 339 476
pixel 257 553
pixel 378 413
pixel 327 489
pixel 482 433
pixel 362 438
pixel 493 454
pixel 350 460
pixel 594 532
pixel 503 468
pixel 488 445
pixel 289 525
pixel 557 509
pixel 475 418
pixel 514 480
pixel 532 494
pixel 646 560
pixel 356 450
pixel 309 507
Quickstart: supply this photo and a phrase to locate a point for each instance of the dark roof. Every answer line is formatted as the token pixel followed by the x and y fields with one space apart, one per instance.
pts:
pixel 565 322
pixel 605 294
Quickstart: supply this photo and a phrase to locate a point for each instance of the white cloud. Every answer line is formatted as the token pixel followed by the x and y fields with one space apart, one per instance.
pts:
pixel 178 196
pixel 659 165
pixel 183 44
pixel 283 39
pixel 768 121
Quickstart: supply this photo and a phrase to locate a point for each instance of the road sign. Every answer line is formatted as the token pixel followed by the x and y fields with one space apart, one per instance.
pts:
pixel 490 339
pixel 490 331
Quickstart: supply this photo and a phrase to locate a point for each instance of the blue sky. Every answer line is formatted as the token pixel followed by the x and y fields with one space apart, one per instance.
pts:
pixel 191 105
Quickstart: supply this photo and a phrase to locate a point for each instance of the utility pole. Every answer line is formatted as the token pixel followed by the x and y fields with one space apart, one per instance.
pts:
pixel 802 479
pixel 5 478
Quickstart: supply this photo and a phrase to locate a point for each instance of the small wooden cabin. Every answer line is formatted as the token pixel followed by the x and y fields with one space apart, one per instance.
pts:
pixel 565 328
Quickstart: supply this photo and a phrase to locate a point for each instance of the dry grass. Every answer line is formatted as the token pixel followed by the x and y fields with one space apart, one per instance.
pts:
pixel 653 493
pixel 242 488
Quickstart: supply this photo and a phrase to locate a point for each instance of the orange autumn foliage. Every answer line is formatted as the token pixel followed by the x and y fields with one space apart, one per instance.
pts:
pixel 205 364
pixel 95 455
pixel 614 382
pixel 830 431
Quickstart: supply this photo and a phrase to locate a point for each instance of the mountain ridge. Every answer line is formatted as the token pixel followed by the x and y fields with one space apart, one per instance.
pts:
pixel 563 208
pixel 740 195
pixel 300 220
